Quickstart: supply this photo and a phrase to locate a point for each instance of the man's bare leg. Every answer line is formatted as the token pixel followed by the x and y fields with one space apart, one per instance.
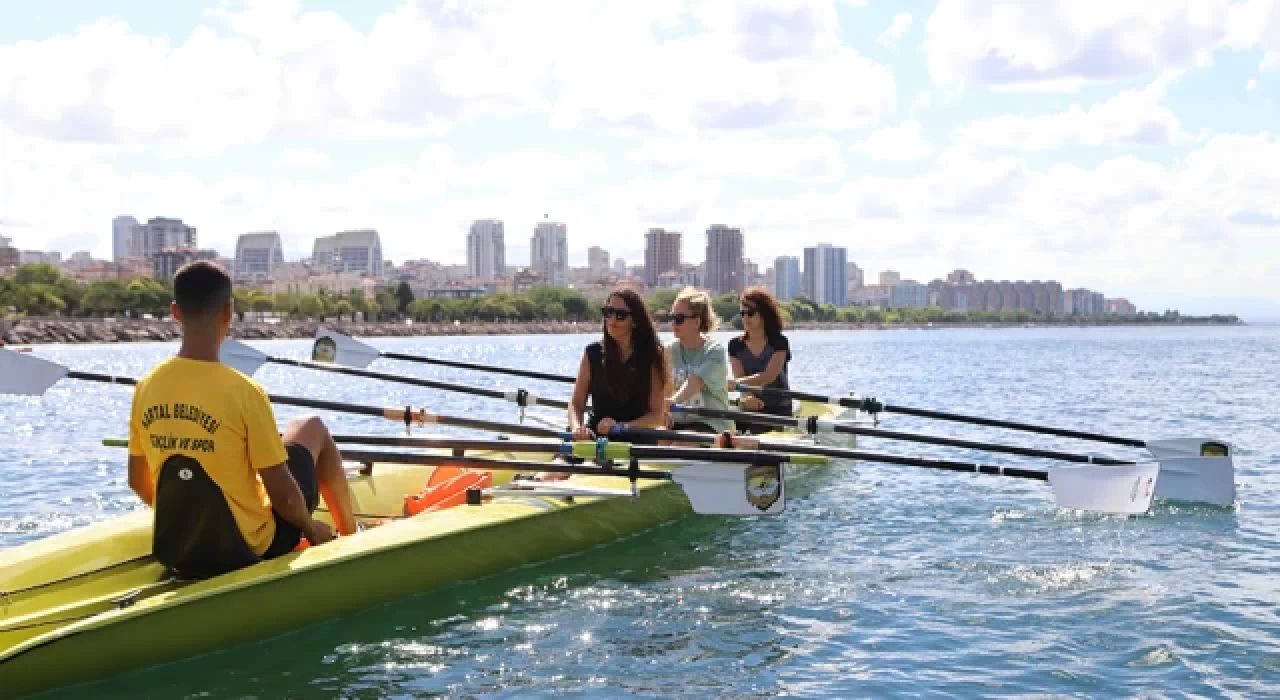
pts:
pixel 310 432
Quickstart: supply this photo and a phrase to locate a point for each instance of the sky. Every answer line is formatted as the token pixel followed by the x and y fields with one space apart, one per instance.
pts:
pixel 1129 147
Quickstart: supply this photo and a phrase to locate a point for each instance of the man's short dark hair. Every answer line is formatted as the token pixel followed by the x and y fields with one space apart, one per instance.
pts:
pixel 201 288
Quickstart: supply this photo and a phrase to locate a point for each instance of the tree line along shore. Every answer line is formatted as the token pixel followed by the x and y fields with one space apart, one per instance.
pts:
pixel 42 305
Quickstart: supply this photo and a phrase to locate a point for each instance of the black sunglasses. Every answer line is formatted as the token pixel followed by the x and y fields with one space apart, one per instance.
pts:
pixel 620 314
pixel 748 312
pixel 679 318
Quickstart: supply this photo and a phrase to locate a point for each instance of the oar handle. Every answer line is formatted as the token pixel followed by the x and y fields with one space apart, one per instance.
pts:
pixel 528 374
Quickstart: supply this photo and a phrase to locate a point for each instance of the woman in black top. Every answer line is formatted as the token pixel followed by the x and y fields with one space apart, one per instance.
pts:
pixel 759 357
pixel 624 374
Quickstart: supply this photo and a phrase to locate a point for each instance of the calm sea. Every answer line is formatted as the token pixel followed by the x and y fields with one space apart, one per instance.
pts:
pixel 878 581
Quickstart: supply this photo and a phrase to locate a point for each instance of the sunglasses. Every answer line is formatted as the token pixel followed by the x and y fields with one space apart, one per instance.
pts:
pixel 748 312
pixel 677 319
pixel 620 314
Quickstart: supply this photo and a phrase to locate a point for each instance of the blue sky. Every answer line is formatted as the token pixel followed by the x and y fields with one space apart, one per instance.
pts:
pixel 1124 148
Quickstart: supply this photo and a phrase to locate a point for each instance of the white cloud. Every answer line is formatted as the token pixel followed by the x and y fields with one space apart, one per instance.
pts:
pixel 1257 23
pixel 1059 44
pixel 744 157
pixel 898 28
pixel 1251 85
pixel 304 158
pixel 258 70
pixel 1129 118
pixel 902 143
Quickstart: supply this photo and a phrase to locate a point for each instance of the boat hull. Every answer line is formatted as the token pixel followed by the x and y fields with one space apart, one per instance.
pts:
pixel 407 557
pixel 61 624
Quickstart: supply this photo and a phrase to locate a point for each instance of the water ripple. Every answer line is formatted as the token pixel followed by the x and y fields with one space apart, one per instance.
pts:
pixel 879 580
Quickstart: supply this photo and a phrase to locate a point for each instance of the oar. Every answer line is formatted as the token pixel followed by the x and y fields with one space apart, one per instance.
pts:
pixel 331 346
pixel 248 360
pixel 1122 489
pixel 1196 470
pixel 32 376
pixel 814 425
pixel 601 451
pixel 724 482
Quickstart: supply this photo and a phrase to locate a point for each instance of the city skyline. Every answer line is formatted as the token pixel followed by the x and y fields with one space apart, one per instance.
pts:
pixel 1108 155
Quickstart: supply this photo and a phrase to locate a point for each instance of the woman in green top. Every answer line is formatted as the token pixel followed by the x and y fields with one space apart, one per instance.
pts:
pixel 699 363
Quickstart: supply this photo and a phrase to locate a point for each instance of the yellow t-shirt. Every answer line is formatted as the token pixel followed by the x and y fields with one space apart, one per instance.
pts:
pixel 222 419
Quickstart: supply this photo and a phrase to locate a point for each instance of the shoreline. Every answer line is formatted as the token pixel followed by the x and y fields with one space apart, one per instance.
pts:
pixel 24 331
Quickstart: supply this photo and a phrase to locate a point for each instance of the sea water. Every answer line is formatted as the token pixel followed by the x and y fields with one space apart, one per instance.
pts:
pixel 878 580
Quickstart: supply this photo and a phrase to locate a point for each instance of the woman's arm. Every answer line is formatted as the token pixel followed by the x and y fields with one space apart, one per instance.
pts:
pixel 581 390
pixel 770 373
pixel 656 417
pixel 692 385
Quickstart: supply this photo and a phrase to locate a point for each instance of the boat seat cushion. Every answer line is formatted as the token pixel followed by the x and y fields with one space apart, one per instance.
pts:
pixel 195 535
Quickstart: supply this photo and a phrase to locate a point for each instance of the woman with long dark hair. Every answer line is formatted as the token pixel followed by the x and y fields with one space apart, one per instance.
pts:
pixel 759 357
pixel 624 373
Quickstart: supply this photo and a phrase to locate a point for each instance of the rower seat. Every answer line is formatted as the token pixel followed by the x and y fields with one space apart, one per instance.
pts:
pixel 195 535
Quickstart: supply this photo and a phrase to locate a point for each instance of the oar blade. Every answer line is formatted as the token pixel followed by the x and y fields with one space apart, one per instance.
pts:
pixel 1119 490
pixel 27 375
pixel 1195 470
pixel 334 347
pixel 733 489
pixel 243 358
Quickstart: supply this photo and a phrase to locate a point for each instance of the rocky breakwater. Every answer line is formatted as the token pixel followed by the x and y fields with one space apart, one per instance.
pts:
pixel 28 331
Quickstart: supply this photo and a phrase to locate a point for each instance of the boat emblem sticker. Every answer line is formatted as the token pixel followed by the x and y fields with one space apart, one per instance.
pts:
pixel 325 350
pixel 764 485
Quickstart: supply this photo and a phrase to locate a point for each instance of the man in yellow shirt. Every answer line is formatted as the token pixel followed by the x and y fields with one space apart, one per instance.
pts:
pixel 202 421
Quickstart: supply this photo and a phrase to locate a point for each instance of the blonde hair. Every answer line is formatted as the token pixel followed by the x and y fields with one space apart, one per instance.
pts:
pixel 700 302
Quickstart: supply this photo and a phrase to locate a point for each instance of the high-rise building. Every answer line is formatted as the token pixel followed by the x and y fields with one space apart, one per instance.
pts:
pixel 161 233
pixel 166 263
pixel 620 267
pixel 786 276
pixel 661 254
pixel 724 260
pixel 349 251
pixel 960 276
pixel 486 250
pixel 598 262
pixel 888 278
pixel 258 255
pixel 125 238
pixel 826 277
pixel 857 278
pixel 549 253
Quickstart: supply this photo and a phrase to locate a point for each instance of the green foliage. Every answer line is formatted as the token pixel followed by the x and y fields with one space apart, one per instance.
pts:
pixel 661 300
pixel 42 290
pixel 726 306
pixel 404 297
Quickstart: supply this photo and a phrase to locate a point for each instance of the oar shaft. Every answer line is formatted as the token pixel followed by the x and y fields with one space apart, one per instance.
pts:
pixel 871 405
pixel 798 448
pixel 374 457
pixel 996 423
pixel 519 396
pixel 984 446
pixel 815 425
pixel 528 374
pixel 445 442
pixel 944 464
pixel 395 414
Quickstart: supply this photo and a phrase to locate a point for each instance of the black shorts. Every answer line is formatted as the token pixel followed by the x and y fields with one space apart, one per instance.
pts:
pixel 303 468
